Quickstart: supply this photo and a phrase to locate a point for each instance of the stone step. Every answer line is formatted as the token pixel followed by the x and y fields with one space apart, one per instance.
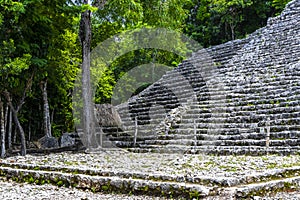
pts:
pixel 205 112
pixel 242 127
pixel 217 93
pixel 248 142
pixel 108 183
pixel 240 187
pixel 237 131
pixel 234 125
pixel 204 136
pixel 257 189
pixel 203 180
pixel 211 130
pixel 210 137
pixel 215 128
pixel 267 109
pixel 219 104
pixel 239 122
pixel 150 138
pixel 221 150
pixel 254 135
pixel 239 115
pixel 273 105
pixel 192 142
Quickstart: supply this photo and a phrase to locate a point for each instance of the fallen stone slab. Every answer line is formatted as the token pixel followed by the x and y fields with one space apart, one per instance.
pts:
pixel 47 142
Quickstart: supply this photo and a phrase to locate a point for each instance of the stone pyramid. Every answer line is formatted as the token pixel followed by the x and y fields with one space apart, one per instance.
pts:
pixel 241 97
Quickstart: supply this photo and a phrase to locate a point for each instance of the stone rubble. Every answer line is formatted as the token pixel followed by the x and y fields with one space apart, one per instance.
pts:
pixel 172 119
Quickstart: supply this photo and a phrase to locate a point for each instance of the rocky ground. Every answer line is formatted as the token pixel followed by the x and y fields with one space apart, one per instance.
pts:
pixel 187 167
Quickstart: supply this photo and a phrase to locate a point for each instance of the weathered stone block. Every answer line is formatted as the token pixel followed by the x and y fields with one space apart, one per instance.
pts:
pixel 47 142
pixel 67 139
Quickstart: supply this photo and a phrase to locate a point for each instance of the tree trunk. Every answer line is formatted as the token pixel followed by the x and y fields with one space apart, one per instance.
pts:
pixel 2 131
pixel 21 131
pixel 16 109
pixel 9 126
pixel 15 135
pixel 29 130
pixel 232 27
pixel 52 115
pixel 16 119
pixel 88 111
pixel 47 123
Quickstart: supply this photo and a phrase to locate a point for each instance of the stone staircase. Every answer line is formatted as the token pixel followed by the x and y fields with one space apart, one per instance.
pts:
pixel 75 173
pixel 241 97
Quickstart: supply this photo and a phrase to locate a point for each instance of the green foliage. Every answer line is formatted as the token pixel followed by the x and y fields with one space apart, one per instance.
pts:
pixel 279 5
pixel 41 39
pixel 119 16
pixel 136 70
pixel 10 65
pixel 64 61
pixel 60 183
pixel 230 12
pixel 85 7
pixel 105 87
pixel 11 7
pixel 213 22
pixel 17 65
pixel 105 187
